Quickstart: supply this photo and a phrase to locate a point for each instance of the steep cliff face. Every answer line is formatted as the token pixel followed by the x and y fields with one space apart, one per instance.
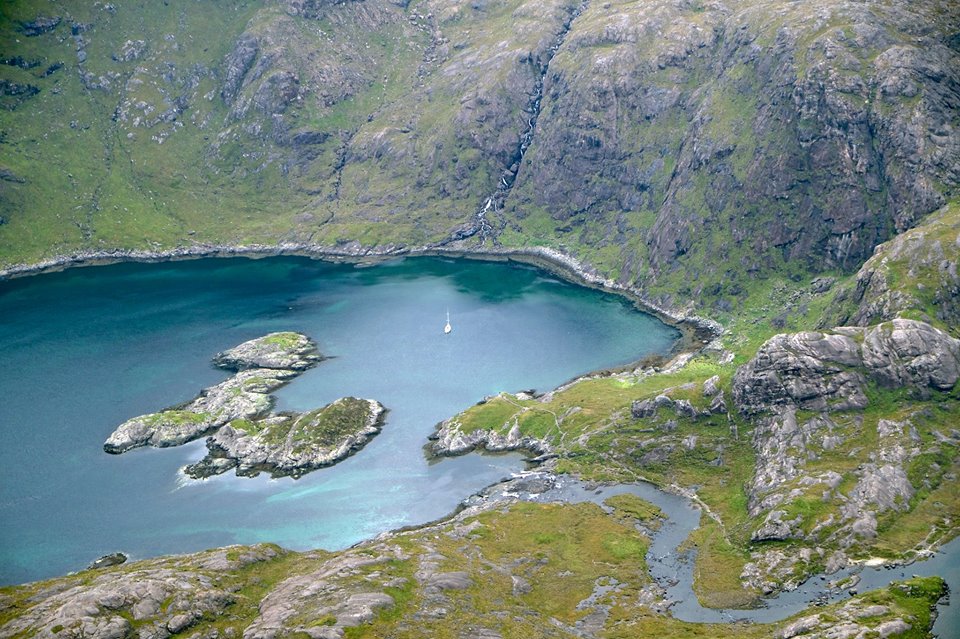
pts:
pixel 914 274
pixel 688 147
pixel 704 143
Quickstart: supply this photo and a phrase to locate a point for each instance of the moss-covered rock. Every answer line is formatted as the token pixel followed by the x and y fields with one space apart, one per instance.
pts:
pixel 292 443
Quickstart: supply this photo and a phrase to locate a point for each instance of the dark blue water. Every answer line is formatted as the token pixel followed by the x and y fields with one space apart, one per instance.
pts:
pixel 86 349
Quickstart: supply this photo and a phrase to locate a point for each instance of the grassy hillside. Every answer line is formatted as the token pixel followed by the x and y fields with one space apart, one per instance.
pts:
pixel 694 150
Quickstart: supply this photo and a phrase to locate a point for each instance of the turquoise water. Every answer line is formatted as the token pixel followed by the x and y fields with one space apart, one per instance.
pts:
pixel 89 348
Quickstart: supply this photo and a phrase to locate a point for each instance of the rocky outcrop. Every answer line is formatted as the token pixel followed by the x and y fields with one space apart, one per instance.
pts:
pixel 264 364
pixel 450 440
pixel 915 271
pixel 791 495
pixel 857 618
pixel 285 351
pixel 292 444
pixel 246 395
pixel 155 599
pixel 327 594
pixel 829 371
pixel 236 65
pixel 40 25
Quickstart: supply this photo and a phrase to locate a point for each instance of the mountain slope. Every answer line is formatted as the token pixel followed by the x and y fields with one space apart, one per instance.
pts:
pixel 689 148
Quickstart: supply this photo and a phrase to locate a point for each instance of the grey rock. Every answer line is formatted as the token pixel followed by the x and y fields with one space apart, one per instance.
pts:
pixel 774 528
pixel 718 405
pixel 295 602
pixel 648 408
pixel 6 175
pixel 711 386
pixel 892 627
pixel 243 396
pixel 113 559
pixel 237 64
pixel 289 444
pixel 812 371
pixel 450 440
pixel 828 371
pixel 40 25
pixel 284 350
pixel 448 581
pixel 162 596
pixel 520 585
pixel 264 364
pixel 131 50
pixel 906 352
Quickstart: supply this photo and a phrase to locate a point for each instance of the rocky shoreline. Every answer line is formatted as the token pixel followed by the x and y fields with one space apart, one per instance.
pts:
pixel 262 366
pixel 696 331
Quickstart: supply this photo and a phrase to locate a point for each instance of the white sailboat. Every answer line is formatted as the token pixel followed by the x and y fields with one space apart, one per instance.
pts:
pixel 447 328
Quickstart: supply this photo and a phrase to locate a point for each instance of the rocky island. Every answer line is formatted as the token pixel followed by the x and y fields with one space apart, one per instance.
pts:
pixel 236 415
pixel 291 443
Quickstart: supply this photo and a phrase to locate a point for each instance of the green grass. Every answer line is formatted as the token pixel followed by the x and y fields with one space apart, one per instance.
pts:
pixel 632 507
pixel 284 341
pixel 177 418
pixel 323 428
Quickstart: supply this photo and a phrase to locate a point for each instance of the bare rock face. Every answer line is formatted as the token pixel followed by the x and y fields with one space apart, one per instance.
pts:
pixel 828 371
pixel 910 353
pixel 162 597
pixel 809 370
pixel 326 594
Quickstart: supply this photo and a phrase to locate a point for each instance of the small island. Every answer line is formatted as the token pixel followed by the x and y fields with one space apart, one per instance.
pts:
pixel 236 415
pixel 291 443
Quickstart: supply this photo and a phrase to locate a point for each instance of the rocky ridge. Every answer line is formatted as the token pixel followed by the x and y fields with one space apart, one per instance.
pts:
pixel 500 554
pixel 809 395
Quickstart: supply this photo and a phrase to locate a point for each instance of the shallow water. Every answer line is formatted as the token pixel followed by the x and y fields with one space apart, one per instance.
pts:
pixel 86 349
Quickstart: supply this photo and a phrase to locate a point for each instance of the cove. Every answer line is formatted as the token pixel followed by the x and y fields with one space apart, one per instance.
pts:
pixel 88 348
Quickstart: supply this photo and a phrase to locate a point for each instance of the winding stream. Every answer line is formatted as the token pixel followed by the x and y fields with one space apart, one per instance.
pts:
pixel 673 570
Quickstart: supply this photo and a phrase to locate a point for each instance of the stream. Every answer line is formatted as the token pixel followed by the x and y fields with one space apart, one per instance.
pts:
pixel 673 569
